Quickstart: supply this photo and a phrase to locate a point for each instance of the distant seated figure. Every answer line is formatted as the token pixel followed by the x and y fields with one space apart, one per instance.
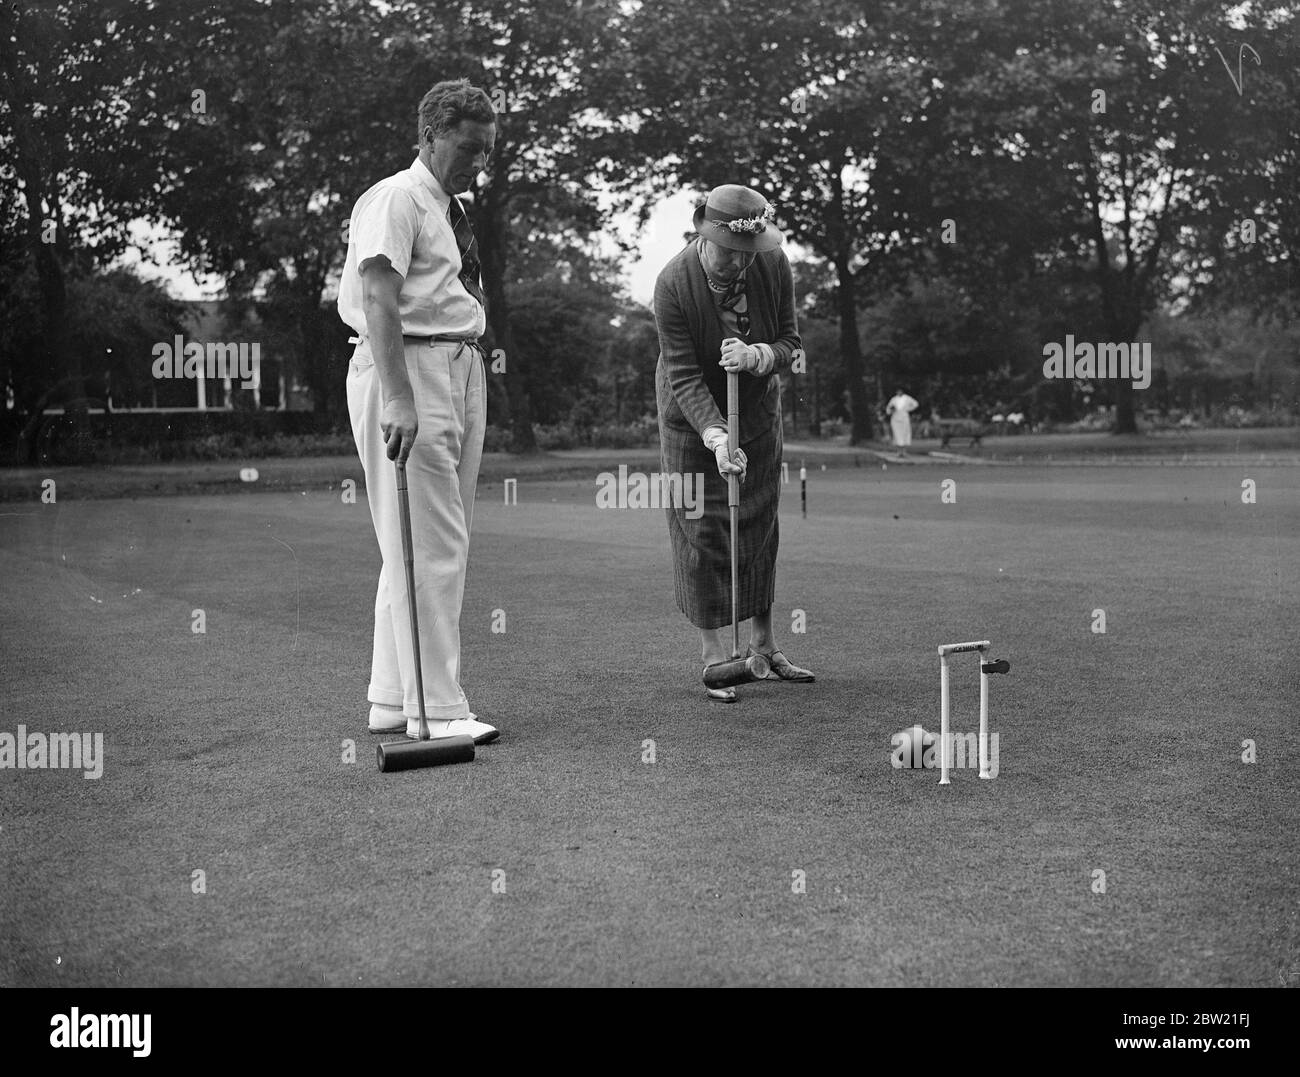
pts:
pixel 899 409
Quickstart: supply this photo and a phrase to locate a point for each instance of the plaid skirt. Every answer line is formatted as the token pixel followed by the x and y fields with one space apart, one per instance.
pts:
pixel 701 547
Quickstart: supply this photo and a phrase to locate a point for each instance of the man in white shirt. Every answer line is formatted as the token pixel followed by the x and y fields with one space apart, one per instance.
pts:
pixel 412 293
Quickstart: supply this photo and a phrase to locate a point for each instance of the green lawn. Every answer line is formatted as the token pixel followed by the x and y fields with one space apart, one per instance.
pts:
pixel 223 751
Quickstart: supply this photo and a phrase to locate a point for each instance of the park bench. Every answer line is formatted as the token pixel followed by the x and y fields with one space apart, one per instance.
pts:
pixel 971 429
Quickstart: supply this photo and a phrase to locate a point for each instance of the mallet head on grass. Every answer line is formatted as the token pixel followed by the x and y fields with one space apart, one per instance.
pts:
pixel 737 671
pixel 410 754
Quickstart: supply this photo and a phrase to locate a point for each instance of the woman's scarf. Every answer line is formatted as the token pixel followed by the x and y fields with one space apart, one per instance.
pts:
pixel 733 294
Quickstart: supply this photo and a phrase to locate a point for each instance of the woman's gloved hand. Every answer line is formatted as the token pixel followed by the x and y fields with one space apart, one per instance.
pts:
pixel 731 465
pixel 737 356
pixel 728 464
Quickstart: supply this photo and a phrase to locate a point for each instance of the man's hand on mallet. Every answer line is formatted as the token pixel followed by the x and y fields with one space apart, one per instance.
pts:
pixel 399 426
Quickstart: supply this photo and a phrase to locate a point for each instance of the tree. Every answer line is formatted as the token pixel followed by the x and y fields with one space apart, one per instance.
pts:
pixel 813 103
pixel 87 93
pixel 301 120
pixel 1236 355
pixel 565 306
pixel 78 127
pixel 115 319
pixel 993 144
pixel 297 110
pixel 112 321
pixel 1121 122
pixel 1243 246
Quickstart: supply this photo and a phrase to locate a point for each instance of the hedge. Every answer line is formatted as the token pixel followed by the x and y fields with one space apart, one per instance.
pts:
pixel 103 437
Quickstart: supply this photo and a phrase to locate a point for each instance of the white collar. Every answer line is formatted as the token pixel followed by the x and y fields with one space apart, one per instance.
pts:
pixel 426 177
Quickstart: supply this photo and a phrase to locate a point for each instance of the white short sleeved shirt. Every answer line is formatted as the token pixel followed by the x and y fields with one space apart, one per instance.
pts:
pixel 404 218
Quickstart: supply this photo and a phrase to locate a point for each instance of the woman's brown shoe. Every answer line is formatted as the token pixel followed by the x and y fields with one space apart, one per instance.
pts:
pixel 785 670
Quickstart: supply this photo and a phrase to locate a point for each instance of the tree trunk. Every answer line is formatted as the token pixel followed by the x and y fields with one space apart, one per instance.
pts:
pixel 59 359
pixel 489 226
pixel 41 193
pixel 816 428
pixel 498 395
pixel 314 347
pixel 319 339
pixel 863 429
pixel 1125 328
pixel 523 440
pixel 1125 413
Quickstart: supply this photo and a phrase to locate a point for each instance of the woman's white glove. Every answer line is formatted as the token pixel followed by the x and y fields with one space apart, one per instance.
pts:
pixel 738 356
pixel 715 438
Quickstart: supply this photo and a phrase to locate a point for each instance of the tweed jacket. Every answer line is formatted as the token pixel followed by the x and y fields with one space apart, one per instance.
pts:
pixel 690 385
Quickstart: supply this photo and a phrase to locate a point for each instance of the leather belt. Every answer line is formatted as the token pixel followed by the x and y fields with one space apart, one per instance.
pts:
pixel 464 342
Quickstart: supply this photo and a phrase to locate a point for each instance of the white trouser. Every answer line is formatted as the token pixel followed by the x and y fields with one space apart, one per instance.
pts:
pixel 441 476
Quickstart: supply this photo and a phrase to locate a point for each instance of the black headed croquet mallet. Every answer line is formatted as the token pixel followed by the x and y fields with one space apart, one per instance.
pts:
pixel 425 752
pixel 754 668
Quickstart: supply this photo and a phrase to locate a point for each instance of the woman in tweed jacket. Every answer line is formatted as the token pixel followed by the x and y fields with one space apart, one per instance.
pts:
pixel 726 302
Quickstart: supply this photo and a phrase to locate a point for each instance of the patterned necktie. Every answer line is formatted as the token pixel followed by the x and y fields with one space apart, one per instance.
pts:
pixel 468 245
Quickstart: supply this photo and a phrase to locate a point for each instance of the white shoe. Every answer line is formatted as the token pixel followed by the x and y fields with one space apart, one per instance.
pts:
pixel 455 727
pixel 386 719
pixel 438 728
pixel 480 731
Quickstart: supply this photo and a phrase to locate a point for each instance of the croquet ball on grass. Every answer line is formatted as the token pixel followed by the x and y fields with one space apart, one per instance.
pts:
pixel 913 749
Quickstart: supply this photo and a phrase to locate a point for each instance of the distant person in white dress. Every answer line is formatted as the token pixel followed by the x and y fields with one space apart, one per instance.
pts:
pixel 899 409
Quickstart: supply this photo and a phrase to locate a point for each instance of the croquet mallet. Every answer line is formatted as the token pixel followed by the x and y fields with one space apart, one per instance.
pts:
pixel 754 668
pixel 427 751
